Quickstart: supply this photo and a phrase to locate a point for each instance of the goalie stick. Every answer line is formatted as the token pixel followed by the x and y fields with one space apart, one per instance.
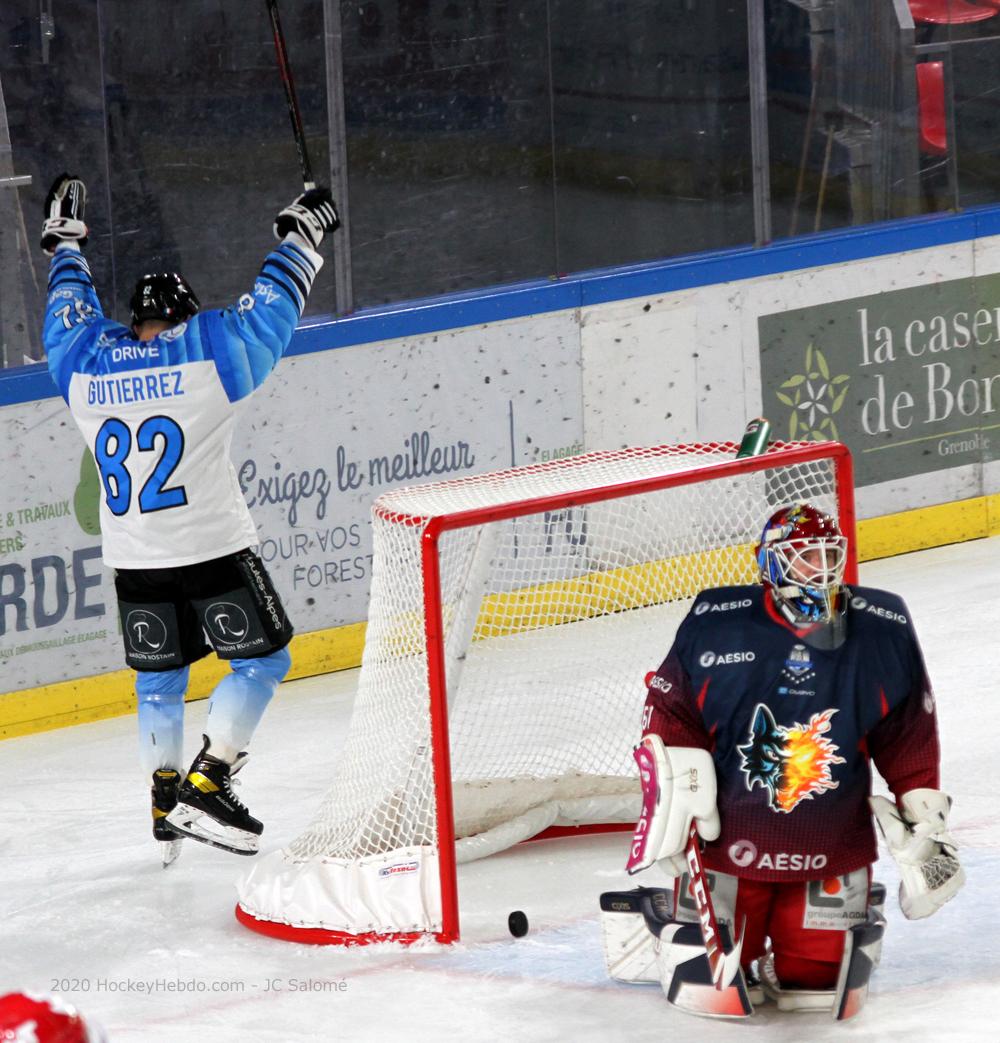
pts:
pixel 290 98
pixel 725 966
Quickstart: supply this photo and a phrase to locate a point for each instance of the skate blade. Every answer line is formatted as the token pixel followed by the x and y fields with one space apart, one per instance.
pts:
pixel 201 827
pixel 170 851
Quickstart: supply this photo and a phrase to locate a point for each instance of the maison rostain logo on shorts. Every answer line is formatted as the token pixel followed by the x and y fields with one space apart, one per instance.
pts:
pixel 146 631
pixel 146 634
pixel 227 623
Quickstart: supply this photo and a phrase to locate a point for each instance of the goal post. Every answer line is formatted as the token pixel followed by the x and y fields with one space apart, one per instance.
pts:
pixel 512 619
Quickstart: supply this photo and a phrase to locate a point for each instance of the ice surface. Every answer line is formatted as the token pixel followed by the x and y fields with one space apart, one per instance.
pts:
pixel 86 910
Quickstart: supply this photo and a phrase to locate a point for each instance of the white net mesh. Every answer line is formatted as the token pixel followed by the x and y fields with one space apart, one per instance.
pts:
pixel 551 621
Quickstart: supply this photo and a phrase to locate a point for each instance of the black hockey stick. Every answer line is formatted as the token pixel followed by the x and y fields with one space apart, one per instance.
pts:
pixel 290 98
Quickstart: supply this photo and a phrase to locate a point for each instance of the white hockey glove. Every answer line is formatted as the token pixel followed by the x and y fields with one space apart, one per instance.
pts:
pixel 918 838
pixel 311 216
pixel 64 207
pixel 678 785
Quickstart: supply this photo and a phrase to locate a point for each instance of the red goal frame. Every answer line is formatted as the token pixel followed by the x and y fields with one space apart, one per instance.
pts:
pixel 779 455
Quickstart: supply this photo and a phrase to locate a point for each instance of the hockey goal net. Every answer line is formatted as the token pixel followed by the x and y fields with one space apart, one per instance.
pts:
pixel 512 620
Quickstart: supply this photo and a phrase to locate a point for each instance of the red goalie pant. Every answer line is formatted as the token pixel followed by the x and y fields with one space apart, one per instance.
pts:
pixel 804 957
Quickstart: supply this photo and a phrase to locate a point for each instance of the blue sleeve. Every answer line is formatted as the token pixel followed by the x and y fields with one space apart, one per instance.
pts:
pixel 74 321
pixel 247 340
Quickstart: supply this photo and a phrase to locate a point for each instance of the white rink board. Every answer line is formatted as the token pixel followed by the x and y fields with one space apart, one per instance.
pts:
pixel 687 364
pixel 88 911
pixel 332 425
pixel 327 433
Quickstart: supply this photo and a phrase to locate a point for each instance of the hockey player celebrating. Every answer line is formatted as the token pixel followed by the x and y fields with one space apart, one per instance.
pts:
pixel 759 727
pixel 156 404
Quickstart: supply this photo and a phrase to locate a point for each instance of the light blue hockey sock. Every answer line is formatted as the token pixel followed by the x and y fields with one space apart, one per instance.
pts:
pixel 239 702
pixel 161 717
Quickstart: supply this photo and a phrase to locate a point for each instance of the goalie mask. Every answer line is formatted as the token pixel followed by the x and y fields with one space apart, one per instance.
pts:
pixel 802 554
pixel 165 296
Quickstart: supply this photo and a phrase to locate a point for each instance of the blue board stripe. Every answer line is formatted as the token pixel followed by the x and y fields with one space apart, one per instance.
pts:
pixel 414 318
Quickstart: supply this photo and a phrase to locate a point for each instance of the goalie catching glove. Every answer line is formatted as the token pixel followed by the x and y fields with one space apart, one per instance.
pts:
pixel 64 207
pixel 678 785
pixel 311 216
pixel 918 839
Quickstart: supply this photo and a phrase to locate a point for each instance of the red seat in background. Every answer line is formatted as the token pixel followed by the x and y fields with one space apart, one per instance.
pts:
pixel 933 128
pixel 930 103
pixel 950 12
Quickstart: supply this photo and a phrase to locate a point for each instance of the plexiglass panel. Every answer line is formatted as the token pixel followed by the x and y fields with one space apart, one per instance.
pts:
pixel 478 143
pixel 651 129
pixel 448 145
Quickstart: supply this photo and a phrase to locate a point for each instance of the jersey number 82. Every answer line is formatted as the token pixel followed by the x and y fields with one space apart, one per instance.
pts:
pixel 112 446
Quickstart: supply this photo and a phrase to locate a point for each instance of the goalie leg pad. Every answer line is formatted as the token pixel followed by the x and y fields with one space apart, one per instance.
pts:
pixel 629 943
pixel 861 952
pixel 644 944
pixel 876 908
pixel 861 949
pixel 686 975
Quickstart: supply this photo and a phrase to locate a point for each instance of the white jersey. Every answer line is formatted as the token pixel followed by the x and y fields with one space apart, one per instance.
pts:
pixel 159 415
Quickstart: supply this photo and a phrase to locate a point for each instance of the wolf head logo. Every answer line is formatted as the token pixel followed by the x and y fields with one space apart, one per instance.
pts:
pixel 763 756
pixel 791 764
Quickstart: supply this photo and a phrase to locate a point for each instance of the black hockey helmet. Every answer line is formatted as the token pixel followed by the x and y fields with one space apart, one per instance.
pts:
pixel 165 296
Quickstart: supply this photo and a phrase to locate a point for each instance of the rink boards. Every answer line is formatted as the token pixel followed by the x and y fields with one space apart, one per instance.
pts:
pixel 885 339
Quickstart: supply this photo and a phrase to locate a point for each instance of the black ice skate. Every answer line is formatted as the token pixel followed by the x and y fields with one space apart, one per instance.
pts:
pixel 209 811
pixel 166 783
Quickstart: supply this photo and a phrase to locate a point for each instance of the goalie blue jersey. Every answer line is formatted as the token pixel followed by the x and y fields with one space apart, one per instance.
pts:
pixel 793 724
pixel 159 415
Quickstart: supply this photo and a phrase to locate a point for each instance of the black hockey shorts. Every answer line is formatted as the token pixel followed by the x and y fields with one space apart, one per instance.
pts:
pixel 175 616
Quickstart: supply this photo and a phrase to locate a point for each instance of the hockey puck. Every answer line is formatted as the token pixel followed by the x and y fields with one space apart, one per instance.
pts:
pixel 517 923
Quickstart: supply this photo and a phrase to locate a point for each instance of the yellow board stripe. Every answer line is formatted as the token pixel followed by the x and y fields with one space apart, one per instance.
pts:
pixel 627 587
pixel 87 699
pixel 111 695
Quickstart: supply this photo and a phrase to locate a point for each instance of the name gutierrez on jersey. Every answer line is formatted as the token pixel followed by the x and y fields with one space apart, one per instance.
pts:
pixel 115 391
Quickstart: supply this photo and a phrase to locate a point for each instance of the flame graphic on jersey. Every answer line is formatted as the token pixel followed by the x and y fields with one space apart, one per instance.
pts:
pixel 791 764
